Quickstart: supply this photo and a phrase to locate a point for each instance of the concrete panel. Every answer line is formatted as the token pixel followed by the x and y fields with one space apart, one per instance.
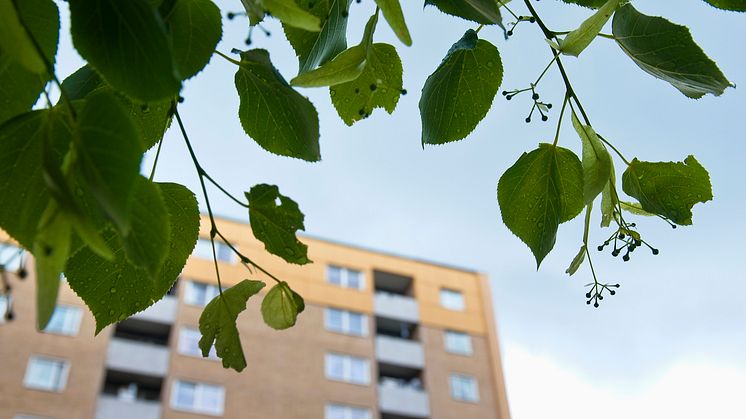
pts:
pixel 397 399
pixel 137 357
pixel 163 311
pixel 397 351
pixel 396 307
pixel 111 407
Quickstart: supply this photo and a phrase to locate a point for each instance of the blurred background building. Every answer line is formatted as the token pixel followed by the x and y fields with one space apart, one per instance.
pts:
pixel 383 336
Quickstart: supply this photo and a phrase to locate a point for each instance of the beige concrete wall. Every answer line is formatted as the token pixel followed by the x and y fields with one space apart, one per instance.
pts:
pixel 284 377
pixel 19 340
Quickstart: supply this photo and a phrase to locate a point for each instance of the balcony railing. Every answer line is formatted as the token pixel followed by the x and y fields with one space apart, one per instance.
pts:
pixel 396 397
pixel 163 311
pixel 396 306
pixel 138 357
pixel 112 407
pixel 403 352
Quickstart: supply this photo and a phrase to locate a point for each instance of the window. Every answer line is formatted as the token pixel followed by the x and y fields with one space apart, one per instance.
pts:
pixel 464 388
pixel 198 397
pixel 46 374
pixel 338 411
pixel 4 306
pixel 203 250
pixel 347 322
pixel 10 256
pixel 344 277
pixel 457 342
pixel 347 368
pixel 189 343
pixel 65 321
pixel 452 299
pixel 200 293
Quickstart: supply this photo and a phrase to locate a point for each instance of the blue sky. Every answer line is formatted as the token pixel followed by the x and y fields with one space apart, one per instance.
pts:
pixel 669 344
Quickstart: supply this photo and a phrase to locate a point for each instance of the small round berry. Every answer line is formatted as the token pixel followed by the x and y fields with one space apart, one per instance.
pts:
pixel 231 15
pixel 612 292
pixel 544 118
pixel 535 96
pixel 655 251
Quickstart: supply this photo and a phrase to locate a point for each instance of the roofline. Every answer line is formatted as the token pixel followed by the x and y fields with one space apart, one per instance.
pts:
pixel 363 248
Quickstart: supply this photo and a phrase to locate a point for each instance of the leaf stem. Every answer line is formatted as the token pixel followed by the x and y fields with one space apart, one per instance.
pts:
pixel 559 120
pixel 505 5
pixel 155 162
pixel 618 153
pixel 228 194
pixel 538 79
pixel 231 60
pixel 202 174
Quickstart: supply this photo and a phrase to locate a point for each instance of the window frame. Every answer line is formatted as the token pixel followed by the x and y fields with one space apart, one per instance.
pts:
pixel 346 322
pixel 347 368
pixel 456 384
pixel 469 348
pixel 223 252
pixel 348 410
pixel 447 296
pixel 73 320
pixel 344 277
pixel 61 383
pixel 198 398
pixel 190 295
pixel 182 346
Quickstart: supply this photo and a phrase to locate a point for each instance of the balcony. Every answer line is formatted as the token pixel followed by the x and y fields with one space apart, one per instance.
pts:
pixel 396 306
pixel 401 352
pixel 137 357
pixel 402 399
pixel 163 311
pixel 113 407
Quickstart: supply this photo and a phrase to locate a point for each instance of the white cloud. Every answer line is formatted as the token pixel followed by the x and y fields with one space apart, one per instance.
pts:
pixel 540 388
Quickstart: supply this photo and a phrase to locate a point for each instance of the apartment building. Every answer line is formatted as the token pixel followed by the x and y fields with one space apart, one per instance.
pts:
pixel 382 336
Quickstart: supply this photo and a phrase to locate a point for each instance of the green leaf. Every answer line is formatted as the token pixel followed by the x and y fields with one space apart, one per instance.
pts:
pixel 41 17
pixel 281 306
pixel 457 96
pixel 316 48
pixel 668 52
pixel 577 261
pixel 151 119
pixel 378 86
pixel 596 161
pixel 218 323
pixel 275 219
pixel 735 5
pixel 126 42
pixel 576 41
pixel 51 250
pixel 19 86
pixel 392 12
pixel 146 243
pixel 114 290
pixel 345 67
pixel 669 189
pixel 635 208
pixel 541 190
pixel 196 28
pixel 277 117
pixel 486 12
pixel 254 11
pixel 293 15
pixel 593 4
pixel 609 199
pixel 23 192
pixel 110 154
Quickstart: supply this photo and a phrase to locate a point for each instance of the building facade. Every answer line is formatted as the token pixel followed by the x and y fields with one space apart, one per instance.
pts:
pixel 382 336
